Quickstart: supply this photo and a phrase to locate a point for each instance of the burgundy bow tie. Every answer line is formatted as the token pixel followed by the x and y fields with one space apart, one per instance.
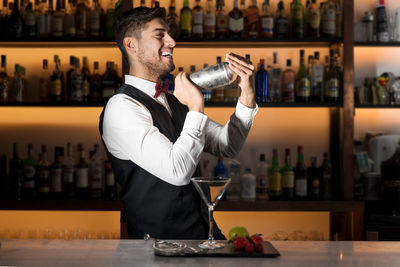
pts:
pixel 161 88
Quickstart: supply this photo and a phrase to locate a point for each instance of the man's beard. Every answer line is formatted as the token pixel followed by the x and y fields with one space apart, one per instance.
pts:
pixel 154 69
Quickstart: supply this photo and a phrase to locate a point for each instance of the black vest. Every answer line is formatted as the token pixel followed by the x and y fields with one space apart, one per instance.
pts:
pixel 151 205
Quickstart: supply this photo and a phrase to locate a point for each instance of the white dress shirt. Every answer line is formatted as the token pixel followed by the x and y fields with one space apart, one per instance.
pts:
pixel 129 134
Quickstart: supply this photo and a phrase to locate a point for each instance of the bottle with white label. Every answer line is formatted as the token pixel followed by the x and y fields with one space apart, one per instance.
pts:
pixel 96 175
pixel 300 176
pixel 267 21
pixel 233 190
pixel 329 19
pixel 209 21
pixel 56 174
pixel 317 79
pixel 82 176
pixel 30 166
pixel 198 16
pixel 248 185
pixel 68 174
pixel 262 187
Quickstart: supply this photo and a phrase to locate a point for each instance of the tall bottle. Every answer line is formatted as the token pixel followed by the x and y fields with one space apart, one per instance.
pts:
pixel 326 175
pixel 44 82
pixel 262 83
pixel 82 19
pixel 198 21
pixel 382 29
pixel 186 20
pixel 275 177
pixel 252 21
pixel 85 80
pixel 297 19
pixel 317 79
pixel 328 19
pixel 18 85
pixel 16 171
pixel 30 168
pixel 15 22
pixel 288 83
pixel 235 23
pixel 109 82
pixel 275 78
pixel 209 21
pixel 95 84
pixel 41 20
pixel 313 180
pixel 287 178
pixel 29 26
pixel 302 81
pixel 4 80
pixel 69 20
pixel 68 173
pixel 281 22
pixel 76 84
pixel 96 175
pixel 332 81
pixel 110 191
pixel 43 170
pixel 222 21
pixel 110 20
pixel 267 21
pixel 56 170
pixel 82 176
pixel 218 94
pixel 172 21
pixel 56 82
pixel 57 21
pixel 300 176
pixel 95 14
pixel 262 185
pixel 313 20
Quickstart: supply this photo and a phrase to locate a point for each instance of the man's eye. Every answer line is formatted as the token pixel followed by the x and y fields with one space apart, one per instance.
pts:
pixel 160 35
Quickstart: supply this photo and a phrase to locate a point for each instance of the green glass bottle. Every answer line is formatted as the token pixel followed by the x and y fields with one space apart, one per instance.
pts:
pixel 275 177
pixel 30 167
pixel 302 81
pixel 186 20
pixel 332 81
pixel 297 19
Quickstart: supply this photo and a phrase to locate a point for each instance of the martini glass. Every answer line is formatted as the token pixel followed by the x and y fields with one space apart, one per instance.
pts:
pixel 211 191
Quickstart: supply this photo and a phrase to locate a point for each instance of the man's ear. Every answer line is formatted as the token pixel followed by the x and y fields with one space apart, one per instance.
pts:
pixel 130 44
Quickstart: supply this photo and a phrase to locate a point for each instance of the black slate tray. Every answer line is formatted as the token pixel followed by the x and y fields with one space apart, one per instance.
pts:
pixel 228 251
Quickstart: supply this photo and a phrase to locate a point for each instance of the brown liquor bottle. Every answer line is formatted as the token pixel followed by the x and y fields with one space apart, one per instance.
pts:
pixel 252 21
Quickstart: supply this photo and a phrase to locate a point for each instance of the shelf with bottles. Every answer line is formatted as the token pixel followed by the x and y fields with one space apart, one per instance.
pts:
pixel 73 205
pixel 376 44
pixel 59 44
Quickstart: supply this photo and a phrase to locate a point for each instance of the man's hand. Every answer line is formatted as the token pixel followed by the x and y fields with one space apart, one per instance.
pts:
pixel 245 71
pixel 187 93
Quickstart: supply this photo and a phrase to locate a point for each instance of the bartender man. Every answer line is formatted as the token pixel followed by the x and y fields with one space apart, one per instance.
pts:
pixel 154 140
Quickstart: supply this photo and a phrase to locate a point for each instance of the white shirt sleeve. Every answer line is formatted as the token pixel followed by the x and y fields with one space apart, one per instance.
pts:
pixel 129 134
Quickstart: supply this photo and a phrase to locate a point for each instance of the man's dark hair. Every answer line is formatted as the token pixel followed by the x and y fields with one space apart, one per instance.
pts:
pixel 132 22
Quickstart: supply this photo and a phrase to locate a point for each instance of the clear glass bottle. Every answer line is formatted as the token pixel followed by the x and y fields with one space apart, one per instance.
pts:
pixel 4 80
pixel 302 81
pixel 288 83
pixel 186 20
pixel 235 23
pixel 262 187
pixel 198 20
pixel 248 185
pixel 233 190
pixel 267 21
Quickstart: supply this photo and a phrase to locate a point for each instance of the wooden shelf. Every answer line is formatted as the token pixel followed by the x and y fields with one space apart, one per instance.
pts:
pixel 376 106
pixel 89 205
pixel 328 206
pixel 58 44
pixel 377 44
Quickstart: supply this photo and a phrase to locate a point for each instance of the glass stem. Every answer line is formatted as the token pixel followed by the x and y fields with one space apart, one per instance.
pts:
pixel 210 220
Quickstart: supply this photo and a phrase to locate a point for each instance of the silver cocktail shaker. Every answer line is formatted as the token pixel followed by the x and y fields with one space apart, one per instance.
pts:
pixel 214 76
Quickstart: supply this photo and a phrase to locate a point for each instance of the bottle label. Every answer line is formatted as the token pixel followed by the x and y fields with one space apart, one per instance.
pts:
pixel 303 87
pixel 282 27
pixel 275 182
pixel 94 23
pixel 41 25
pixel 82 177
pixel 252 23
pixel 301 187
pixel 68 175
pixel 29 171
pixel 262 186
pixel 85 88
pixel 96 179
pixel 198 18
pixel 288 179
pixel 236 25
pixel 110 179
pixel 332 88
pixel 314 20
pixel 56 180
pixel 317 74
pixel 30 19
pixel 57 26
pixel 43 182
pixel 267 25
pixel 80 23
pixel 209 23
pixel 55 87
pixel 108 88
pixel 76 89
pixel 222 23
pixel 329 21
pixel 288 92
pixel 197 29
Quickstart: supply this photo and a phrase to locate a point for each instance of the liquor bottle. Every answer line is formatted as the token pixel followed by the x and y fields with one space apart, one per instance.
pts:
pixel 233 191
pixel 76 84
pixel 49 16
pixel 198 21
pixel 4 80
pixel 222 21
pixel 275 78
pixel 281 22
pixel 313 180
pixel 248 185
pixel 69 20
pixel 82 176
pixel 297 11
pixel 218 94
pixel 267 21
pixel 30 167
pixel 109 82
pixel 186 20
pixel 44 82
pixel 15 22
pixel 96 175
pixel 209 21
pixel 261 83
pixel 110 191
pixel 300 175
pixel 287 178
pixel 326 175
pixel 332 81
pixel 81 19
pixel 275 177
pixel 220 169
pixel 95 14
pixel 382 28
pixel 4 21
pixel 42 20
pixel 18 85
pixel 56 84
pixel 317 79
pixel 68 172
pixel 43 170
pixel 16 170
pixel 56 171
pixel 288 83
pixel 85 80
pixel 95 84
pixel 302 81
pixel 262 186
pixel 68 77
pixel 313 20
pixel 172 21
pixel 29 26
pixel 235 23
pixel 57 21
pixel 328 19
pixel 252 21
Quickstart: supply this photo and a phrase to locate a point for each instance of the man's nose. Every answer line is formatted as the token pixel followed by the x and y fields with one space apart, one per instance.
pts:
pixel 169 40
